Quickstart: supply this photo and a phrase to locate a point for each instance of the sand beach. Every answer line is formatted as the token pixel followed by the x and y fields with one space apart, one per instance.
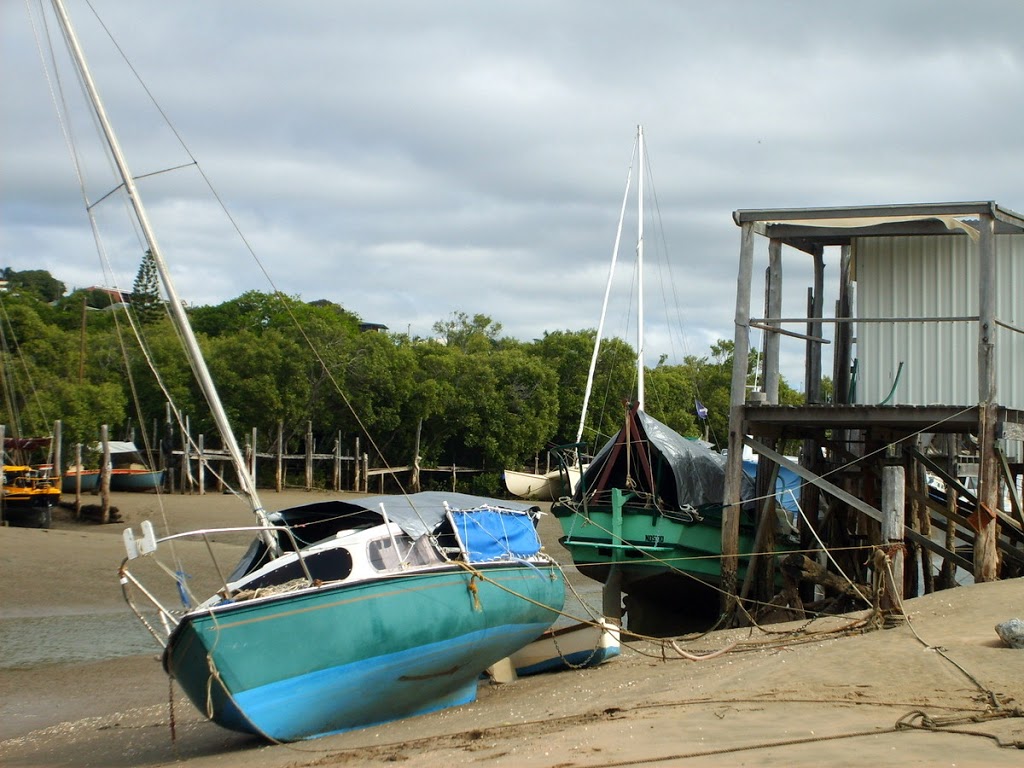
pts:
pixel 939 689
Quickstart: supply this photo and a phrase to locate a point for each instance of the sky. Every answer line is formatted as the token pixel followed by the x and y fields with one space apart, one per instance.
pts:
pixel 411 160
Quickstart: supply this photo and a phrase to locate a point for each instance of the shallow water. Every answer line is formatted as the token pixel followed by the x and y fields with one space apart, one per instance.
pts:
pixel 29 641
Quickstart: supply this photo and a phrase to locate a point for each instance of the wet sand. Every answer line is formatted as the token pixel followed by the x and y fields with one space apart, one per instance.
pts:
pixel 787 695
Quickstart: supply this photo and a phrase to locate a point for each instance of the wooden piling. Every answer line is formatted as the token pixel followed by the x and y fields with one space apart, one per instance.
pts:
pixel 279 471
pixel 737 426
pixel 105 476
pixel 202 466
pixel 893 521
pixel 986 556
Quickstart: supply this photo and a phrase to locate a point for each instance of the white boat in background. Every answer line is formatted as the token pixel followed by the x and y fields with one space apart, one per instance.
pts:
pixel 573 647
pixel 547 487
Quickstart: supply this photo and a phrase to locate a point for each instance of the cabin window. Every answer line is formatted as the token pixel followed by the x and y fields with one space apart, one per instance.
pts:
pixel 333 564
pixel 384 556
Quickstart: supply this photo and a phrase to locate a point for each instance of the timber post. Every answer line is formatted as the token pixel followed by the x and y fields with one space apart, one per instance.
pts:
pixel 186 469
pixel 814 310
pixel 309 455
pixel 357 469
pixel 78 480
pixel 737 425
pixel 252 459
pixel 336 474
pixel 202 464
pixel 843 332
pixel 279 469
pixel 774 309
pixel 923 523
pixel 947 574
pixel 893 521
pixel 986 558
pixel 55 470
pixel 416 459
pixel 105 477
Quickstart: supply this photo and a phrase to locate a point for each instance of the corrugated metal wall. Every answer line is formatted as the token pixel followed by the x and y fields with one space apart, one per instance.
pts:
pixel 929 277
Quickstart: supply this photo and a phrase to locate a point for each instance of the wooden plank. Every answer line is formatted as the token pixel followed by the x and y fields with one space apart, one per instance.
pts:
pixel 852 501
pixel 386 471
pixel 793 334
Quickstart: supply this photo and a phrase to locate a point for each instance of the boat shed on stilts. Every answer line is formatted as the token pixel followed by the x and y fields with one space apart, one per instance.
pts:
pixel 927 342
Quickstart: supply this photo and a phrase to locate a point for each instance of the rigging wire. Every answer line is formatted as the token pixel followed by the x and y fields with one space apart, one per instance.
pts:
pixel 249 248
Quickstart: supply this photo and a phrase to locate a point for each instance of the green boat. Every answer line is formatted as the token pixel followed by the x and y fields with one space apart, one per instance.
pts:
pixel 648 511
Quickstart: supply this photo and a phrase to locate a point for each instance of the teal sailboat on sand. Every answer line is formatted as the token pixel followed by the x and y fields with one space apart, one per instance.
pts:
pixel 340 614
pixel 401 602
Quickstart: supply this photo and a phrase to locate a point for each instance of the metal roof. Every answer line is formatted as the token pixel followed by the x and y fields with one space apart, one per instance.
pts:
pixel 811 229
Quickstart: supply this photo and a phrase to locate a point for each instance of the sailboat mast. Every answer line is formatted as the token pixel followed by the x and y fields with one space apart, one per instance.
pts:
pixel 640 270
pixel 604 309
pixel 176 307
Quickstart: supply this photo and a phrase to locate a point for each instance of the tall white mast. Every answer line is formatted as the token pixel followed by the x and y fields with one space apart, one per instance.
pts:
pixel 177 309
pixel 604 309
pixel 640 270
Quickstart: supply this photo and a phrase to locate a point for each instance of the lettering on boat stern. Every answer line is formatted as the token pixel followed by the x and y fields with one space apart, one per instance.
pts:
pixel 654 539
pixel 443 673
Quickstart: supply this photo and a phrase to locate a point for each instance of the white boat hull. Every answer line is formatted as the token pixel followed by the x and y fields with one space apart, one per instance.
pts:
pixel 573 647
pixel 546 487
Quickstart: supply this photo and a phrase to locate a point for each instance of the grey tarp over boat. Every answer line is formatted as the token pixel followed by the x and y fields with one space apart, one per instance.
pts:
pixel 697 470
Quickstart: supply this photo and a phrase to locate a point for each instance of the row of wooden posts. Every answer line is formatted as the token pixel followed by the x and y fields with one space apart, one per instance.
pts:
pixel 187 466
pixel 362 474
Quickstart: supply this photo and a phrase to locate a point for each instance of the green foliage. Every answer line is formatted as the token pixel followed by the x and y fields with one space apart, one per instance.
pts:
pixel 476 334
pixel 37 283
pixel 257 311
pixel 569 355
pixel 145 300
pixel 479 400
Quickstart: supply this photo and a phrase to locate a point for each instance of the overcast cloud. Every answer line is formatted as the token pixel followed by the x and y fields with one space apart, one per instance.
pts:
pixel 408 159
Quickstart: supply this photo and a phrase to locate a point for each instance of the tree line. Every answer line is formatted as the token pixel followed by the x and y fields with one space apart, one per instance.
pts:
pixel 476 397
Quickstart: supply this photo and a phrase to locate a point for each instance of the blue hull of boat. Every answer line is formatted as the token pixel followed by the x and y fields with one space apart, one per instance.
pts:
pixel 136 481
pixel 90 482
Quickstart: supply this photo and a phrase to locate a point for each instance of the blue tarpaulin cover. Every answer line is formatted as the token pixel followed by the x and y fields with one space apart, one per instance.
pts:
pixel 489 534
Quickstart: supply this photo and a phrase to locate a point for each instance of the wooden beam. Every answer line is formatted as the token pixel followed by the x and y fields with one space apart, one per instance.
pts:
pixel 772 330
